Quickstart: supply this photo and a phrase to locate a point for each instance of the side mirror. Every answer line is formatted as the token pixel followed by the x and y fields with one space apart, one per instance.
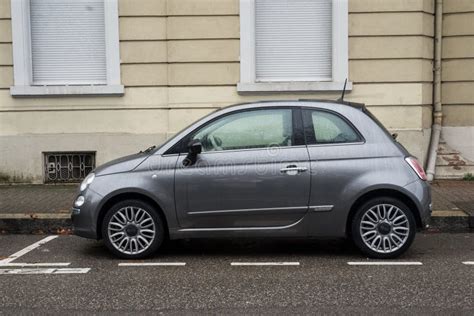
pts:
pixel 194 149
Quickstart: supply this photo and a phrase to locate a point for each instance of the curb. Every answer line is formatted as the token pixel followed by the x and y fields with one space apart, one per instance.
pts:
pixel 468 208
pixel 451 222
pixel 40 223
pixel 441 221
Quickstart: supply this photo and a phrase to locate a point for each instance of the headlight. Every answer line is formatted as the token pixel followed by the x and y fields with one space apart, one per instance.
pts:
pixel 88 180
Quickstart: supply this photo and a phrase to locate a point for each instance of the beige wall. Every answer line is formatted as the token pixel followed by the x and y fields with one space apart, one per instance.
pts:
pixel 458 63
pixel 458 77
pixel 391 52
pixel 180 60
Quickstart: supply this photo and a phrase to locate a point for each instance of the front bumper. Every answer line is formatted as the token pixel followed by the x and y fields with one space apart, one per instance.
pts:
pixel 84 218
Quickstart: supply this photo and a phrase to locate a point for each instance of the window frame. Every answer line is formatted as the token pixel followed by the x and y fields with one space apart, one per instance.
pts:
pixel 340 53
pixel 310 135
pixel 22 57
pixel 298 138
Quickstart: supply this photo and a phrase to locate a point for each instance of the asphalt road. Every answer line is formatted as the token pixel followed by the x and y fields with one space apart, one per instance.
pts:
pixel 316 280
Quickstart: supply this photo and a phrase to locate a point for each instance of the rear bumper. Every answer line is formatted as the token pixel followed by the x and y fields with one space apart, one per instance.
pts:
pixel 421 193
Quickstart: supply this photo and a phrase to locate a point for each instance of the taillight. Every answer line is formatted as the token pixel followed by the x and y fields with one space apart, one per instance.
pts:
pixel 416 166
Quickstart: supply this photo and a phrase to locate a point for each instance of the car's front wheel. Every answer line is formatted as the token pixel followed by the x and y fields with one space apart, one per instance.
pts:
pixel 383 228
pixel 132 229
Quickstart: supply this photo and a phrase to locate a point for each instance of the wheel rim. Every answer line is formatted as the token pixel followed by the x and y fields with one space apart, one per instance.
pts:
pixel 131 230
pixel 384 228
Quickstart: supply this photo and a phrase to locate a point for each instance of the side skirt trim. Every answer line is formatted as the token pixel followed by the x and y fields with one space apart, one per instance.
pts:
pixel 248 210
pixel 239 228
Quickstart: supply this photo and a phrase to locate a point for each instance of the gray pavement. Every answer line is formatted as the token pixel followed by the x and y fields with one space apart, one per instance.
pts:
pixel 322 283
pixel 448 194
pixel 34 198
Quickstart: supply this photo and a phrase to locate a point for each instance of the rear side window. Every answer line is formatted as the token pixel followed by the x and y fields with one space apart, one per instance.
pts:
pixel 324 127
pixel 374 118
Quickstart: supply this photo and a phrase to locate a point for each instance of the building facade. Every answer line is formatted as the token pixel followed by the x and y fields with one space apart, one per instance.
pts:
pixel 86 81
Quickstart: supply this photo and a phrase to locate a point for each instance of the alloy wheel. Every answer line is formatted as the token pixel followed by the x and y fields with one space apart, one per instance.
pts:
pixel 131 230
pixel 384 228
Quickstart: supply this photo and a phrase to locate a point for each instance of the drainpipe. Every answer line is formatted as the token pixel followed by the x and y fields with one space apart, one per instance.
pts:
pixel 437 106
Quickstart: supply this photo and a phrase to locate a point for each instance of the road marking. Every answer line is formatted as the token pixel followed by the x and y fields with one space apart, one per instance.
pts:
pixel 151 264
pixel 15 264
pixel 71 270
pixel 384 263
pixel 45 271
pixel 24 251
pixel 468 262
pixel 264 263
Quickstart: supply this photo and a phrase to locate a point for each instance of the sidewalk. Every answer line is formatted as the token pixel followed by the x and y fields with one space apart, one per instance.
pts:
pixel 453 204
pixel 36 209
pixel 46 208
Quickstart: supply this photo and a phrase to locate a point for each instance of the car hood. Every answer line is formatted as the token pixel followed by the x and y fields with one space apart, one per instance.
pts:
pixel 122 164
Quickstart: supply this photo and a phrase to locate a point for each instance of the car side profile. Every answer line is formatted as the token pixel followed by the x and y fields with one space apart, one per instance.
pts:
pixel 267 169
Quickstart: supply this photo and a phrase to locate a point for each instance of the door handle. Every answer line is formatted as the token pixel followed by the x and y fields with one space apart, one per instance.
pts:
pixel 293 169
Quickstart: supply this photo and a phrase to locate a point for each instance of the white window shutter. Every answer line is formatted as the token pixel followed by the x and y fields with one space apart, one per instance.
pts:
pixel 293 40
pixel 68 42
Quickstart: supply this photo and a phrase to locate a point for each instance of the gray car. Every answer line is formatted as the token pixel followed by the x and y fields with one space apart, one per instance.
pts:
pixel 302 168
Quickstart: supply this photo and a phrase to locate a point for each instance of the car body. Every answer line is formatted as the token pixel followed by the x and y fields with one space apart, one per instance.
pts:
pixel 265 169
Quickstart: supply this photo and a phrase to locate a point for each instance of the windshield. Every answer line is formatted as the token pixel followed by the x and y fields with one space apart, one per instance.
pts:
pixel 183 129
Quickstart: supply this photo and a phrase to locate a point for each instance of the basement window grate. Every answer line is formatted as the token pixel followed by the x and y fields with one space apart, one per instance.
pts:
pixel 63 167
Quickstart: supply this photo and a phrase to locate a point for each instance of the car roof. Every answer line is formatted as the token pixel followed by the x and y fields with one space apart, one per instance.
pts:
pixel 299 102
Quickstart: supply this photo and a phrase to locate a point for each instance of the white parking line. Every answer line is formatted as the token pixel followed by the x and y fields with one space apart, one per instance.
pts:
pixel 25 250
pixel 45 271
pixel 384 263
pixel 7 262
pixel 151 264
pixel 264 263
pixel 71 270
pixel 468 262
pixel 42 264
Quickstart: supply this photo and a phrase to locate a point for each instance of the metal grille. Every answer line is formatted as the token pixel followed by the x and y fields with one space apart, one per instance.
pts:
pixel 68 166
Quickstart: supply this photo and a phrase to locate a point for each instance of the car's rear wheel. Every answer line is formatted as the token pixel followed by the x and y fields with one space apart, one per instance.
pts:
pixel 383 228
pixel 132 229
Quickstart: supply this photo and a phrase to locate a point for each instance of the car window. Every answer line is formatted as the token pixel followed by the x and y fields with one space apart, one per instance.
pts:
pixel 249 129
pixel 331 128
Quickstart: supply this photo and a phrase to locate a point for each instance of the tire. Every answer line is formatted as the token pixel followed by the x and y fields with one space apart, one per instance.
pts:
pixel 133 229
pixel 383 228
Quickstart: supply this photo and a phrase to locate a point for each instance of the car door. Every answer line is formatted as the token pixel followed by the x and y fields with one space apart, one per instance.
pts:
pixel 253 171
pixel 334 147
